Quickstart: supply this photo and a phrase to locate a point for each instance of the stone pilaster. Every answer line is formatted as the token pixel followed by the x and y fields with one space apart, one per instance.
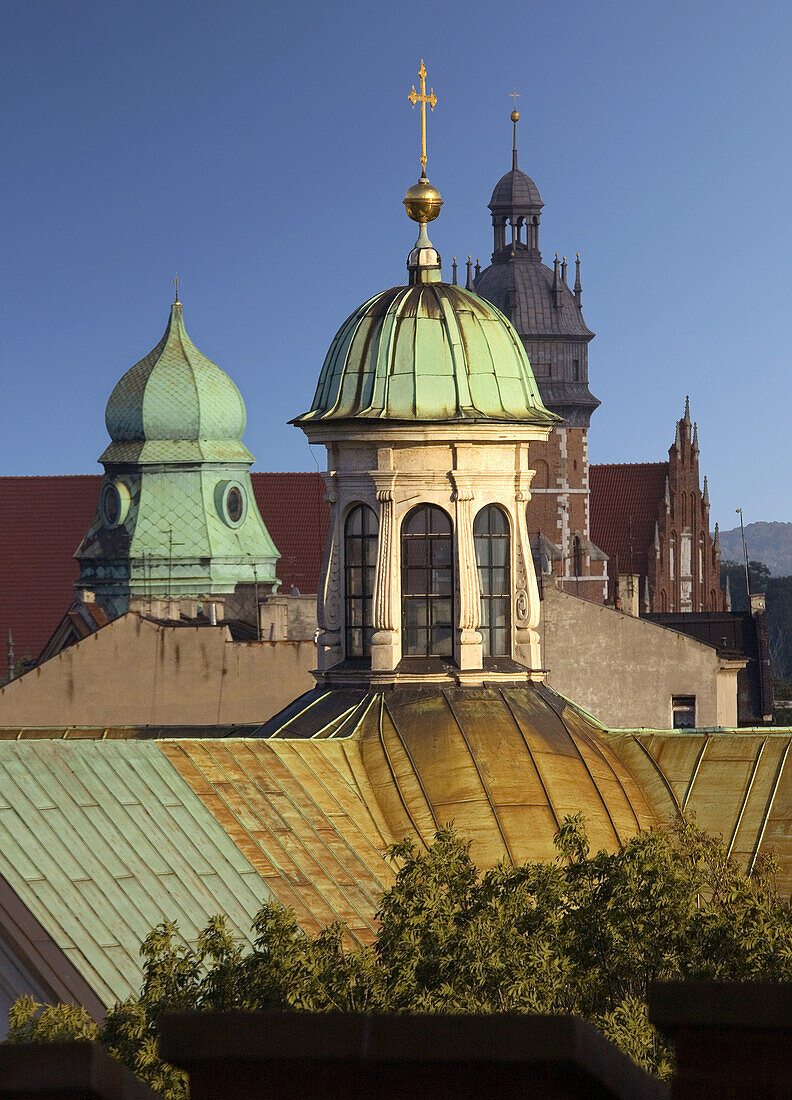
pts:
pixel 468 641
pixel 329 608
pixel 527 650
pixel 386 643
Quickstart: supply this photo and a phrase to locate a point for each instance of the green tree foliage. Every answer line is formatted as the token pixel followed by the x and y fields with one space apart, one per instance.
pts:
pixel 585 934
pixel 758 574
pixel 778 592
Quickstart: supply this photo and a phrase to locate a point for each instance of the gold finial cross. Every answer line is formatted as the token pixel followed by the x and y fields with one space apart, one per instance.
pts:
pixel 177 284
pixel 422 98
pixel 515 96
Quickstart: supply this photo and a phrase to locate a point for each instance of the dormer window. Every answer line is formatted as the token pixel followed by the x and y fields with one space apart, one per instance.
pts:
pixel 360 560
pixel 427 583
pixel 491 537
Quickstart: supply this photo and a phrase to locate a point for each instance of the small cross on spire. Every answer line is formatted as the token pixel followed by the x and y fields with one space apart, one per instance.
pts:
pixel 177 283
pixel 515 96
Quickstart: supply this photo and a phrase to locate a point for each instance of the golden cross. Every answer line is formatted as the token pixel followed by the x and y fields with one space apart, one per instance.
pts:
pixel 177 283
pixel 515 96
pixel 422 98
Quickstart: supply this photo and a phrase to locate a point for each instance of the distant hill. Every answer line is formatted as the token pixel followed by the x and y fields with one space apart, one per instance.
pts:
pixel 770 543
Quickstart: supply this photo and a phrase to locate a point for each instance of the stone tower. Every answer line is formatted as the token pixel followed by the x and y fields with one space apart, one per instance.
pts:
pixel 548 316
pixel 176 514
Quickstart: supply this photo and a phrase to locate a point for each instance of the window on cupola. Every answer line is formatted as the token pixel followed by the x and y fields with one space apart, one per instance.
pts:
pixel 360 559
pixel 491 536
pixel 427 583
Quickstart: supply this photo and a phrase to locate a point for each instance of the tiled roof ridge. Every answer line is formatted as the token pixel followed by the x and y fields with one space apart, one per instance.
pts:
pixel 32 477
pixel 620 465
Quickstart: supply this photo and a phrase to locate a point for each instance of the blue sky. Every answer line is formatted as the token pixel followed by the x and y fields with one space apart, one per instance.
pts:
pixel 263 151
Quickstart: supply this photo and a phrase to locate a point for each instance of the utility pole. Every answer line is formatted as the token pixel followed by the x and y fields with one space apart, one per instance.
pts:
pixel 258 610
pixel 745 559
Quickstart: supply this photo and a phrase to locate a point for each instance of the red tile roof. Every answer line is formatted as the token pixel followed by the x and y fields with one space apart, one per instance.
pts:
pixel 294 510
pixel 624 502
pixel 43 520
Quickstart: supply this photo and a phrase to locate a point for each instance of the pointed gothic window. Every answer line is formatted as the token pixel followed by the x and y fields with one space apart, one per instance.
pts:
pixel 360 559
pixel 491 537
pixel 671 557
pixel 427 583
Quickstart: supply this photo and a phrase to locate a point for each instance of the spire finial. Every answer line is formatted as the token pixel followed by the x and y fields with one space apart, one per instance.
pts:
pixel 453 271
pixel 515 117
pixel 422 98
pixel 177 283
pixel 422 201
pixel 578 287
pixel 687 408
pixel 469 282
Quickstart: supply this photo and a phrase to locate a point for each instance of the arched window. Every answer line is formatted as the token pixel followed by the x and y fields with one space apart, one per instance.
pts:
pixel 663 602
pixel 671 557
pixel 360 559
pixel 491 537
pixel 577 557
pixel 427 583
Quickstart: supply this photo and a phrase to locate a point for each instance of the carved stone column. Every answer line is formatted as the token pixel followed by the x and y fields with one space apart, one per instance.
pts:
pixel 386 642
pixel 468 642
pixel 526 648
pixel 329 613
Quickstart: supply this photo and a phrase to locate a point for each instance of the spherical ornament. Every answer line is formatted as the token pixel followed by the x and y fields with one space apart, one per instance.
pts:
pixel 422 201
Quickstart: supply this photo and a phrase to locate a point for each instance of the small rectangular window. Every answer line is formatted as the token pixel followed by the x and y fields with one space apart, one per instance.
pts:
pixel 576 369
pixel 541 370
pixel 683 708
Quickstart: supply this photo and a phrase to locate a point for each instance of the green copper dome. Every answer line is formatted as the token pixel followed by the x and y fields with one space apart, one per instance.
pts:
pixel 176 406
pixel 429 351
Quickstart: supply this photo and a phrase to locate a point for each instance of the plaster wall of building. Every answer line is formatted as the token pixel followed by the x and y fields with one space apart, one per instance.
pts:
pixel 135 672
pixel 625 671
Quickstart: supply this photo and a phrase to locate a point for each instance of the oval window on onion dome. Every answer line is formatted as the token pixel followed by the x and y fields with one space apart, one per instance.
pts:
pixel 231 502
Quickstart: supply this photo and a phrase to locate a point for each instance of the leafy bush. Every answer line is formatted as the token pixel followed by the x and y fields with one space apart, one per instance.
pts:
pixel 583 935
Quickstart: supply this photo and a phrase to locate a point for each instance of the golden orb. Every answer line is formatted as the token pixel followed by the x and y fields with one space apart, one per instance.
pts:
pixel 515 116
pixel 422 201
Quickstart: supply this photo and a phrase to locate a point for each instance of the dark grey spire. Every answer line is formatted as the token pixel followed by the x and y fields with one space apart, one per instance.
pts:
pixel 556 282
pixel 578 290
pixel 454 271
pixel 469 282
